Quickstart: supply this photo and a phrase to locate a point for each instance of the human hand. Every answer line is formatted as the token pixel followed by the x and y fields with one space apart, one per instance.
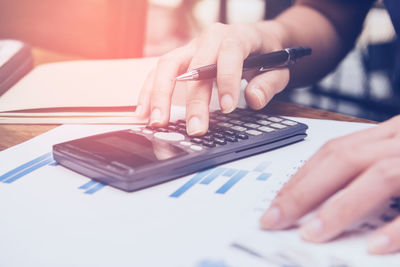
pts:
pixel 228 46
pixel 365 167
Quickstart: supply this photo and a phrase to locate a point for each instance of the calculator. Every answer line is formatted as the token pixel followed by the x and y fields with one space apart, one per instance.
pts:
pixel 144 156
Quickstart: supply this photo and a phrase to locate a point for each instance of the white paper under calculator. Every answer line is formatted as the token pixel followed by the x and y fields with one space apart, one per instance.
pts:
pixel 51 216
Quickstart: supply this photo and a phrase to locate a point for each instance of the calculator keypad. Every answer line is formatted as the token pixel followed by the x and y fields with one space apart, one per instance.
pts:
pixel 224 129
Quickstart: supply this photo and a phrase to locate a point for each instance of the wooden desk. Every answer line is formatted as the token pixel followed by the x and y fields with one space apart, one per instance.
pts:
pixel 14 134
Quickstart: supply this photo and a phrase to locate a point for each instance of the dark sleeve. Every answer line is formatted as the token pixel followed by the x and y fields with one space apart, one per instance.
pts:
pixel 347 16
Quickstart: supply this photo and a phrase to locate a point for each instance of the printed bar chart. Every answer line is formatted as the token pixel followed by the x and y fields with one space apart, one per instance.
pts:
pixel 208 176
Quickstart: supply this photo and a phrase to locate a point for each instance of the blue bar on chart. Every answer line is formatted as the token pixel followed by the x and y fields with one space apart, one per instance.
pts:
pixel 261 167
pixel 95 189
pixel 88 185
pixel 92 187
pixel 198 176
pixel 231 182
pixel 263 176
pixel 26 166
pixel 212 176
pixel 229 172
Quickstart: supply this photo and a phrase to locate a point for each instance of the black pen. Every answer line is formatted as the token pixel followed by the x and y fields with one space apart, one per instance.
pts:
pixel 263 62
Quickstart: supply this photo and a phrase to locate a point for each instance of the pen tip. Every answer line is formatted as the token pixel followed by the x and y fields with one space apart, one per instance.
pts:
pixel 186 76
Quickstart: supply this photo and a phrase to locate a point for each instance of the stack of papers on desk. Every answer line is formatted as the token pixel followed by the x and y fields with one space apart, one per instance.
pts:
pixel 93 91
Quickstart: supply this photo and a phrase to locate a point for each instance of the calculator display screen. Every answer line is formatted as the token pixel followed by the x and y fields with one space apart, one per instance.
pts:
pixel 131 149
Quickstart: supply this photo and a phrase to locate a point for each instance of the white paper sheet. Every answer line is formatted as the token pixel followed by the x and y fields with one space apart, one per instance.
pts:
pixel 51 216
pixel 89 83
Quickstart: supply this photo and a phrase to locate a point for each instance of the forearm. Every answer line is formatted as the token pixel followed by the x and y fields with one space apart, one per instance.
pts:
pixel 329 27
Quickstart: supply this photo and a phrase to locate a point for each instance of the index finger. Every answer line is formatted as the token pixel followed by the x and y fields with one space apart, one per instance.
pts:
pixel 168 68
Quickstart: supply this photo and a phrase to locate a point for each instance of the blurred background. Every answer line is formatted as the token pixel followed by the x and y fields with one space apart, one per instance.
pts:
pixel 361 86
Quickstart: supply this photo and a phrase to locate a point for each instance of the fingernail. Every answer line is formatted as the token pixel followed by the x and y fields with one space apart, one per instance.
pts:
pixel 312 230
pixel 271 218
pixel 255 90
pixel 378 244
pixel 194 126
pixel 226 103
pixel 155 116
pixel 139 110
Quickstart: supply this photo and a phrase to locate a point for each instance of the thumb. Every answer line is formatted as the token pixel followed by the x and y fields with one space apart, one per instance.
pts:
pixel 263 87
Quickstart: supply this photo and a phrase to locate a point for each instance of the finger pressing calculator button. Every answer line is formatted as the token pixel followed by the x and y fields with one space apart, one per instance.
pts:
pixel 172 137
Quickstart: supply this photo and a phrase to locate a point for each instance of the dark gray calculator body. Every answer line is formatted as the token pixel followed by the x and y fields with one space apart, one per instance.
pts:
pixel 145 156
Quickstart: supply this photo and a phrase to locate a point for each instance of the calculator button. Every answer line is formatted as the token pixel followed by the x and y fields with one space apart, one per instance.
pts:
pixel 224 124
pixel 136 129
pixel 253 132
pixel 290 123
pixel 172 137
pixel 208 143
pixel 252 125
pixel 161 129
pixel 231 138
pixel 218 135
pixel 229 133
pixel 238 128
pixel 266 129
pixel 147 131
pixel 181 130
pixel 244 112
pixel 263 122
pixel 196 140
pixel 222 118
pixel 242 136
pixel 212 121
pixel 237 122
pixel 249 119
pixel 220 141
pixel 275 119
pixel 172 127
pixel 196 147
pixel 277 125
pixel 233 115
pixel 208 138
pixel 185 143
pixel 262 116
